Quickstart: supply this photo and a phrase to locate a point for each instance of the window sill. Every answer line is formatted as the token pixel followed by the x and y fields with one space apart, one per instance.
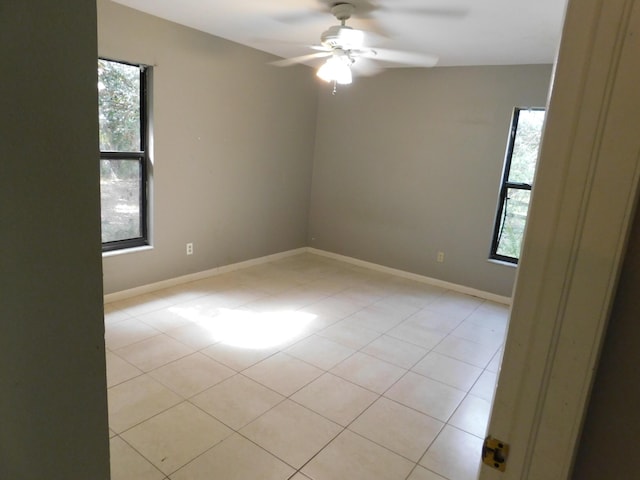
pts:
pixel 125 251
pixel 502 262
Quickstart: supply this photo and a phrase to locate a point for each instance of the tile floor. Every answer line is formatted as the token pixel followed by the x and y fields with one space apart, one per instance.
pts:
pixel 302 368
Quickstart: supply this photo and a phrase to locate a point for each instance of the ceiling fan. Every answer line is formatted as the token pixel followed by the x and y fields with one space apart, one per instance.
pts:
pixel 347 52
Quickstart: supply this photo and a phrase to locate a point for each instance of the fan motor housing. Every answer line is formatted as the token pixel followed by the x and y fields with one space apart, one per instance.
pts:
pixel 345 38
pixel 342 11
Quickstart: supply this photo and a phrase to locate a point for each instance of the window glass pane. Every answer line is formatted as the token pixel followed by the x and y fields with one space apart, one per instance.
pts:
pixel 120 195
pixel 119 106
pixel 525 147
pixel 514 217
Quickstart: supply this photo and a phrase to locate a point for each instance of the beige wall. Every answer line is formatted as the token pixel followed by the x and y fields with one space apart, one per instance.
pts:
pixel 405 164
pixel 233 148
pixel 53 405
pixel 408 163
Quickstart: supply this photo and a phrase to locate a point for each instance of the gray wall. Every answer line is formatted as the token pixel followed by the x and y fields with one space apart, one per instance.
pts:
pixel 408 163
pixel 405 164
pixel 611 429
pixel 53 408
pixel 233 148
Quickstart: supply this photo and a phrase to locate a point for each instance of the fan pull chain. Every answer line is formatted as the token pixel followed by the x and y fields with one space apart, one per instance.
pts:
pixel 335 87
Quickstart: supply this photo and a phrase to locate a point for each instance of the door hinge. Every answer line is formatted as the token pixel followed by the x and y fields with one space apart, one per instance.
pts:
pixel 495 453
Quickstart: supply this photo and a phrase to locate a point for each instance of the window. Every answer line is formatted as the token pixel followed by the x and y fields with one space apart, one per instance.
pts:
pixel 122 102
pixel 517 180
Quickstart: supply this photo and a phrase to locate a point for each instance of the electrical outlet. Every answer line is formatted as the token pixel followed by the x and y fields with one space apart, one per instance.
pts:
pixel 440 257
pixel 189 248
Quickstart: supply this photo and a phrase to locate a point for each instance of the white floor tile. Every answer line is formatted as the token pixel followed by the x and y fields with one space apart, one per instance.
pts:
pixel 194 335
pixel 438 321
pixel 427 396
pixel 127 332
pixel 127 464
pixel 485 386
pixel 113 315
pixel 142 304
pixel 299 476
pixel 336 307
pixel 214 284
pixel 349 335
pixel 164 319
pixel 154 352
pixel 237 358
pixel 237 401
pixel 326 284
pixel 363 292
pixel 236 297
pixel 334 398
pixel 181 293
pixel 448 370
pixel 472 416
pixel 466 351
pixel 480 334
pixel 455 455
pixel 320 352
pixel 490 315
pixel 191 375
pixel 398 305
pixel 175 392
pixel 291 432
pixel 398 428
pixel 236 458
pixel 378 317
pixel 421 473
pixel 368 372
pixel 353 457
pixel 496 361
pixel 413 293
pixel 283 373
pixel 395 351
pixel 137 400
pixel 176 436
pixel 119 370
pixel 254 330
pixel 412 332
pixel 202 308
pixel 455 304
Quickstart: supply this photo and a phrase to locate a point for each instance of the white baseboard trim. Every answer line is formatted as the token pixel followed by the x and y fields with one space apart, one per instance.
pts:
pixel 414 276
pixel 192 277
pixel 172 282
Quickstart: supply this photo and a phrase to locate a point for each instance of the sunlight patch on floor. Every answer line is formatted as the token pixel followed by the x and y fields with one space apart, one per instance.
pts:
pixel 254 330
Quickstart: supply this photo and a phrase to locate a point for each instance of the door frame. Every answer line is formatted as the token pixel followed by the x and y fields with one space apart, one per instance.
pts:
pixel 581 210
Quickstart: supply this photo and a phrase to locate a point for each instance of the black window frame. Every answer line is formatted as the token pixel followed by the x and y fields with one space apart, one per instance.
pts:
pixel 142 157
pixel 505 186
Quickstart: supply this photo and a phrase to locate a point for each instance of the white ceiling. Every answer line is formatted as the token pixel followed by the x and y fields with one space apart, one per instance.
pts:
pixel 459 32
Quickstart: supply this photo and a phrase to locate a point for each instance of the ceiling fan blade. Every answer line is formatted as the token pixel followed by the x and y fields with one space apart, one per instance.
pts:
pixel 441 12
pixel 365 10
pixel 300 16
pixel 370 26
pixel 320 48
pixel 285 62
pixel 405 58
pixel 365 67
pixel 259 41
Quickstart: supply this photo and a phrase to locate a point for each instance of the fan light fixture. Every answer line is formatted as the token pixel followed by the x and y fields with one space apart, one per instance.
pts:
pixel 335 69
pixel 342 46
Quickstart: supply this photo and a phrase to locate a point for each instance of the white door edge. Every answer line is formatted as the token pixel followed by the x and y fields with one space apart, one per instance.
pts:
pixel 584 197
